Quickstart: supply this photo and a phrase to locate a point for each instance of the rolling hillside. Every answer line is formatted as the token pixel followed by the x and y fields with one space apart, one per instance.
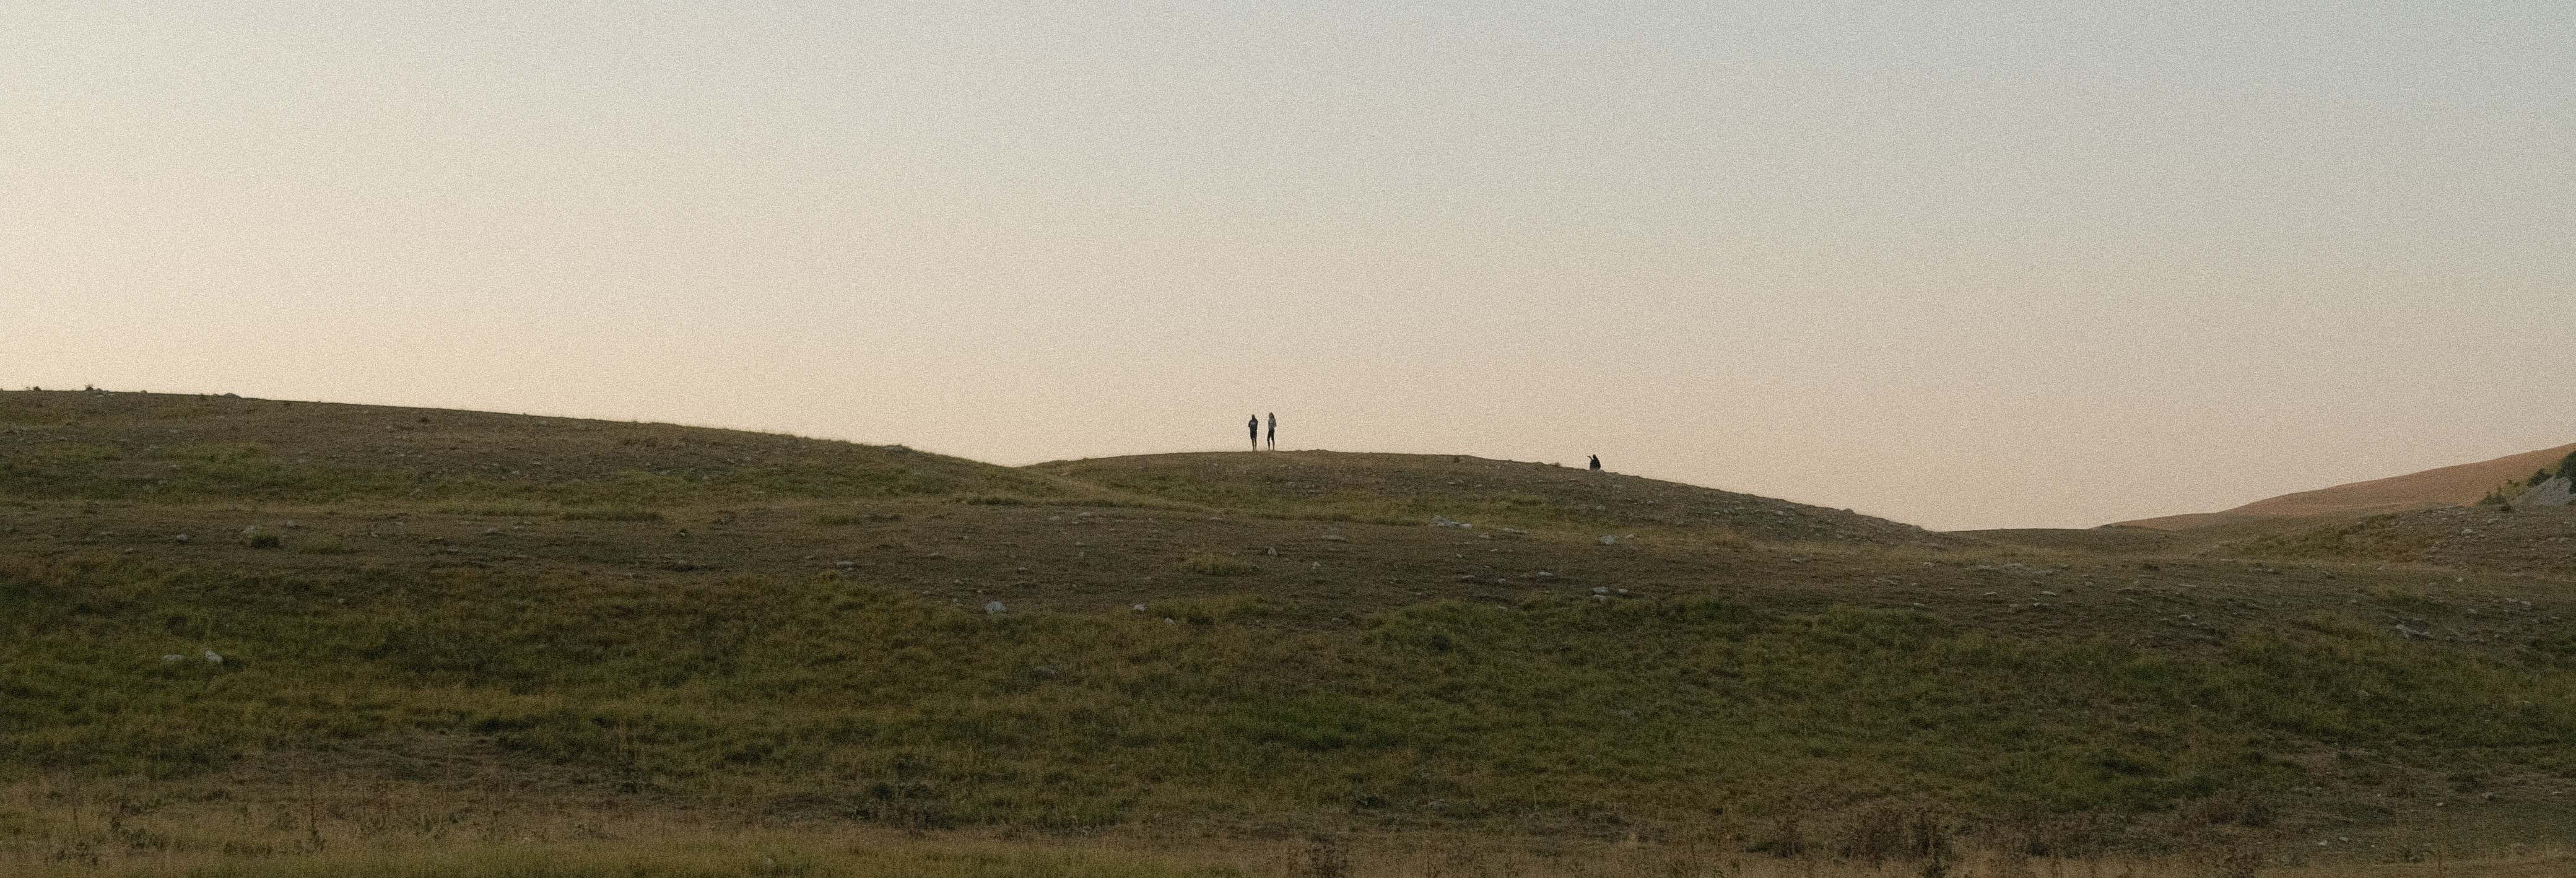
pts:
pixel 2460 485
pixel 1412 488
pixel 182 448
pixel 248 633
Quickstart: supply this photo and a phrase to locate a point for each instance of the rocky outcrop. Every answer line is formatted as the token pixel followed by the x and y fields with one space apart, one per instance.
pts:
pixel 2554 492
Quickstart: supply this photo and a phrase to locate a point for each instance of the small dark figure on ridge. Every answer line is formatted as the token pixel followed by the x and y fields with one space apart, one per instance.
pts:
pixel 1254 425
pixel 1596 463
pixel 1274 431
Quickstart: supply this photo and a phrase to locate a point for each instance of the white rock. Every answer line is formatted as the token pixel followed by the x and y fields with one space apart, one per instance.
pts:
pixel 994 607
pixel 2554 492
pixel 213 659
pixel 173 658
pixel 1600 589
pixel 1139 608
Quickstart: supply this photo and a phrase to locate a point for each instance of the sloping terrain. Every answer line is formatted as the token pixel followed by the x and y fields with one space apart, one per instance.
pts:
pixel 181 448
pixel 2534 541
pixel 740 629
pixel 2460 485
pixel 1412 488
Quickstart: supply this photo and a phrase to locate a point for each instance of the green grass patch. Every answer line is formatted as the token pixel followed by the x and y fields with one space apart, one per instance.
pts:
pixel 1213 564
pixel 2377 538
pixel 503 509
pixel 610 514
pixel 322 545
pixel 817 687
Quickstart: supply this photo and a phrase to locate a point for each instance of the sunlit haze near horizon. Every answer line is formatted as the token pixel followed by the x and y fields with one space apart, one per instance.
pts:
pixel 1963 266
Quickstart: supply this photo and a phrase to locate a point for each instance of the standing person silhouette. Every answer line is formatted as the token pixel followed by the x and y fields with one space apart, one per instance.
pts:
pixel 1596 463
pixel 1274 431
pixel 1254 425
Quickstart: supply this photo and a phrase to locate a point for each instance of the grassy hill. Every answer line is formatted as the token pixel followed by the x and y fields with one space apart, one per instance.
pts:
pixel 185 449
pixel 1413 488
pixel 442 632
pixel 2460 485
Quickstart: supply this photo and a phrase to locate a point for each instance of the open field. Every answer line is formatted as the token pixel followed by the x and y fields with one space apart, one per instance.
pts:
pixel 454 642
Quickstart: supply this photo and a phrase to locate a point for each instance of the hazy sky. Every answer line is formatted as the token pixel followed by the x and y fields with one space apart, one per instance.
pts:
pixel 1966 266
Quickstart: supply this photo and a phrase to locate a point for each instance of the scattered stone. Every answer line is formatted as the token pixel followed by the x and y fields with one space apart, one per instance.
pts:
pixel 994 607
pixel 180 538
pixel 173 658
pixel 1139 608
pixel 1609 540
pixel 1335 538
pixel 1446 521
pixel 213 659
pixel 1600 589
pixel 1272 551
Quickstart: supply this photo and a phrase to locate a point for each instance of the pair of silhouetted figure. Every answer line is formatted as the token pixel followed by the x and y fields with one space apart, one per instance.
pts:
pixel 1254 426
pixel 1596 463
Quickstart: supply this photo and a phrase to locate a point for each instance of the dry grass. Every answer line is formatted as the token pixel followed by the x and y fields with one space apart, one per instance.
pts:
pixel 411 839
pixel 794 663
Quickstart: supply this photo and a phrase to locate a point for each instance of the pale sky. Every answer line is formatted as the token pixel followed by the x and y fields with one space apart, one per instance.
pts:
pixel 1982 265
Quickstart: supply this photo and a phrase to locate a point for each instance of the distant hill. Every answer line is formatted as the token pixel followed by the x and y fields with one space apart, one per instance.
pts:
pixel 2460 485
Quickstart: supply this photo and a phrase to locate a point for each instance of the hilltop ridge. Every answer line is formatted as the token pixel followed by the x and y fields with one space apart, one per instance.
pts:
pixel 1416 487
pixel 174 447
